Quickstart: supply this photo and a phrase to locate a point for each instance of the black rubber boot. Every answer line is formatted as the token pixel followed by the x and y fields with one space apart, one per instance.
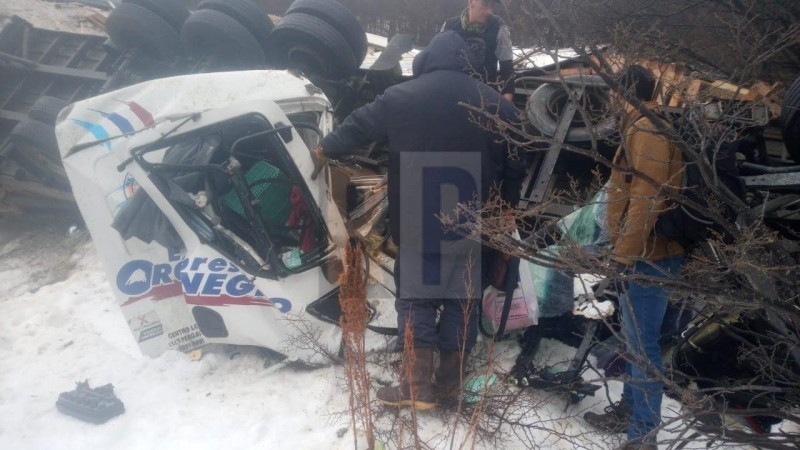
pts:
pixel 416 391
pixel 530 345
pixel 615 418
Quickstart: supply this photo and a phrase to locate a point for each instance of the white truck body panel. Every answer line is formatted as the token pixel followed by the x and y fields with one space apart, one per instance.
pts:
pixel 158 288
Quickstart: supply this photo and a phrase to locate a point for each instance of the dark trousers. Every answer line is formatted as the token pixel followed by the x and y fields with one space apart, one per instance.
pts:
pixel 457 326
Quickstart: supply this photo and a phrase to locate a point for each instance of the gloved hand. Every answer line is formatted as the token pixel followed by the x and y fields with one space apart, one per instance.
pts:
pixel 618 273
pixel 618 269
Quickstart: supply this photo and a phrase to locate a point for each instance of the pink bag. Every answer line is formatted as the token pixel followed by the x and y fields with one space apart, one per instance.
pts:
pixel 524 310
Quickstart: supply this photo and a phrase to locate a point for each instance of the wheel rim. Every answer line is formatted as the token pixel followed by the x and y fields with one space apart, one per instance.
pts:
pixel 304 58
pixel 557 103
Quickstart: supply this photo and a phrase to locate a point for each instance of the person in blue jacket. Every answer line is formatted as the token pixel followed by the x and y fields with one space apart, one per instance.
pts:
pixel 440 154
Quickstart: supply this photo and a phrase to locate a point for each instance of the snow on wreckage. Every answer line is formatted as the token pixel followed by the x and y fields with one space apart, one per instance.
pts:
pixel 242 246
pixel 196 188
pixel 215 270
pixel 178 162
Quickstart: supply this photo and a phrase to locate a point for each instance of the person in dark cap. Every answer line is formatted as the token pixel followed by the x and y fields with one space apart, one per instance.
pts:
pixel 489 38
pixel 440 154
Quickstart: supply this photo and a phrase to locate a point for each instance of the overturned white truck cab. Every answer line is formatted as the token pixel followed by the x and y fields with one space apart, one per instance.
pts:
pixel 197 193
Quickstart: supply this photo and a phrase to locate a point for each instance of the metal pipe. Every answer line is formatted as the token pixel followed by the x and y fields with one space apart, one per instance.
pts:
pixel 768 169
pixel 561 80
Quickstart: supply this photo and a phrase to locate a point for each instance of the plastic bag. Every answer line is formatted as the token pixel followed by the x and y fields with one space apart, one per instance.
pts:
pixel 524 310
pixel 521 314
pixel 589 224
pixel 588 227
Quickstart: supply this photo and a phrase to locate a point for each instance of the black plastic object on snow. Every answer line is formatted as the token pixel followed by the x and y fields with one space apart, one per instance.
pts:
pixel 96 405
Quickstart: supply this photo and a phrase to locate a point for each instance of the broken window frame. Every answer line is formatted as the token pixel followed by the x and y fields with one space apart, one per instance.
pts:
pixel 259 258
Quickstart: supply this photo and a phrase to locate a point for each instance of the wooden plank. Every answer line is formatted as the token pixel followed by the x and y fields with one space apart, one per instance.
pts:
pixel 5 207
pixel 767 94
pixel 726 90
pixel 695 88
pixel 575 71
pixel 10 184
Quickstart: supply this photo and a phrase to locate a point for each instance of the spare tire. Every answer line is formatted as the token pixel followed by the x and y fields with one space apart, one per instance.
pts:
pixel 339 17
pixel 133 27
pixel 309 44
pixel 253 17
pixel 174 12
pixel 38 135
pixel 549 100
pixel 211 33
pixel 46 109
pixel 790 121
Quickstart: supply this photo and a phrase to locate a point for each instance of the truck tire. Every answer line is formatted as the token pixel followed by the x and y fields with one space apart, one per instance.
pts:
pixel 548 100
pixel 133 27
pixel 38 135
pixel 307 43
pixel 790 121
pixel 340 18
pixel 211 33
pixel 46 109
pixel 174 12
pixel 247 13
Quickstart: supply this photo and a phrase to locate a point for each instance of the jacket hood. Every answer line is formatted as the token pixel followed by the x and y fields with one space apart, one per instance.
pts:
pixel 447 51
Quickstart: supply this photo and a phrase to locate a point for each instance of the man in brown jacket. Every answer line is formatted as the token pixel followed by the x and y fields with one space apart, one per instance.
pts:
pixel 646 166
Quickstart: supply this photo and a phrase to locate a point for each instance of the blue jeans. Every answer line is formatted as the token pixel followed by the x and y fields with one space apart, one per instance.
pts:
pixel 643 309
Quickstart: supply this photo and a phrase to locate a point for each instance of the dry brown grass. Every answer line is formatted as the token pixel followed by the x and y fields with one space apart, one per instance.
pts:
pixel 354 319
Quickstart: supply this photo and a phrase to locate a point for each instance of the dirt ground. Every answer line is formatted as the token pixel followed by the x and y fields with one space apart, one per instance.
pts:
pixel 37 251
pixel 72 17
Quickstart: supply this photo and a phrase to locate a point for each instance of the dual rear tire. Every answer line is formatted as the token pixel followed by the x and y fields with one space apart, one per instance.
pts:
pixel 317 37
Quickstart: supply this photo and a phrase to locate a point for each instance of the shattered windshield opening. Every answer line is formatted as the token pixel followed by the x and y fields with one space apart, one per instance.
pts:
pixel 236 186
pixel 306 124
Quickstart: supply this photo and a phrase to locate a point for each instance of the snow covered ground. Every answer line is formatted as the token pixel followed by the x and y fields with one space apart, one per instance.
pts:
pixel 56 330
pixel 59 324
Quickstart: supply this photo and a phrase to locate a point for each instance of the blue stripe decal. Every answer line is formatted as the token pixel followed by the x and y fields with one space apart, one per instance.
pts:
pixel 122 123
pixel 97 131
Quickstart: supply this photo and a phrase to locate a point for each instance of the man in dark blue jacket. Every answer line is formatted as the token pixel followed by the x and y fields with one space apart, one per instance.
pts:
pixel 439 155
